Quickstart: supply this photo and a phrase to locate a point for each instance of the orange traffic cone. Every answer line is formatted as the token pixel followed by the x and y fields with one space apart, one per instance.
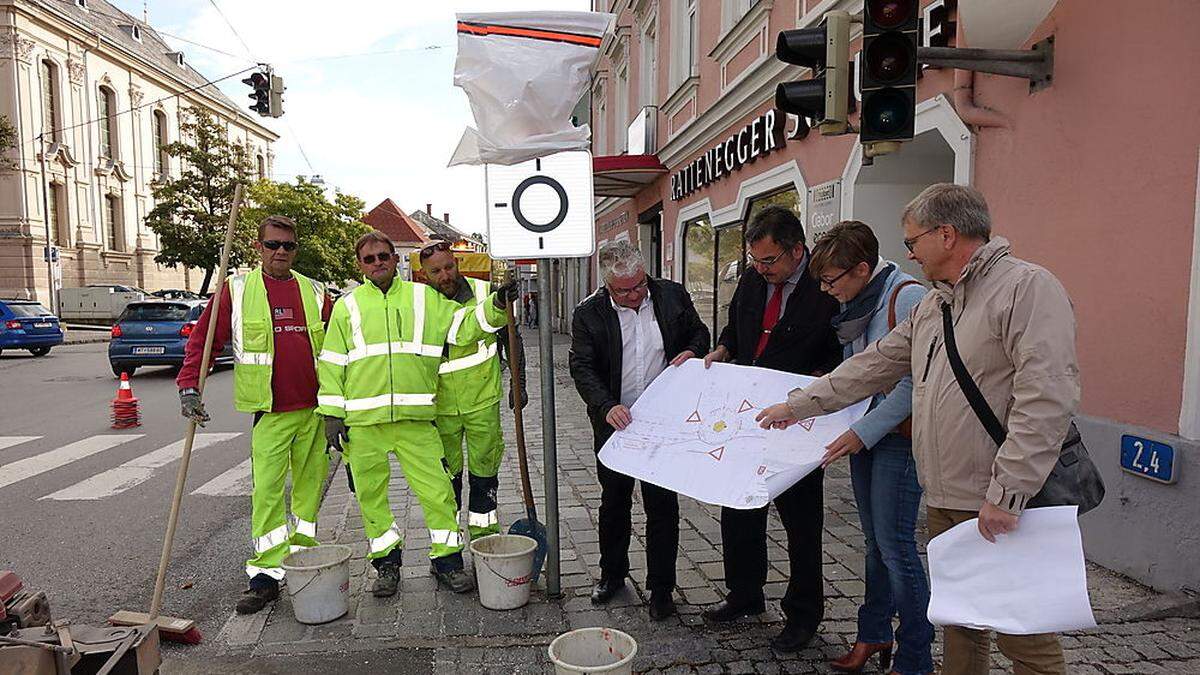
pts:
pixel 125 412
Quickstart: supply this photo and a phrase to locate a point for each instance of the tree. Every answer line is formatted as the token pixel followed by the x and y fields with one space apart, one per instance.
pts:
pixel 326 230
pixel 192 210
pixel 8 141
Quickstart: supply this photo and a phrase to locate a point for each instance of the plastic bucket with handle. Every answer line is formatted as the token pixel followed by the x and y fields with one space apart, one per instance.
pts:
pixel 318 580
pixel 503 569
pixel 593 650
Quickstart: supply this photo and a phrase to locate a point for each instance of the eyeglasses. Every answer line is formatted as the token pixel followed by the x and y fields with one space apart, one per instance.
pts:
pixel 370 258
pixel 828 283
pixel 908 243
pixel 626 292
pixel 434 247
pixel 765 262
pixel 275 244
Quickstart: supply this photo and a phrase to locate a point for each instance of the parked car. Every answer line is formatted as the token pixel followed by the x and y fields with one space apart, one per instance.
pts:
pixel 154 333
pixel 176 294
pixel 26 324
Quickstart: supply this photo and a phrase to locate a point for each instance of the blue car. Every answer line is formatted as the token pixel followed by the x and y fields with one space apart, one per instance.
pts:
pixel 26 324
pixel 154 334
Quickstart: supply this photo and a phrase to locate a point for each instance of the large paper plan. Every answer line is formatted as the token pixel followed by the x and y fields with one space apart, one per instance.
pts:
pixel 694 432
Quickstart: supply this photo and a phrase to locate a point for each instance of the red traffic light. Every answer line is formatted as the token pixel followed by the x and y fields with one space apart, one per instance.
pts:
pixel 891 14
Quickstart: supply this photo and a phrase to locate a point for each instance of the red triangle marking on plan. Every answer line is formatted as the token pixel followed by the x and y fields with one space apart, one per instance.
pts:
pixel 695 417
pixel 746 405
pixel 717 453
pixel 808 423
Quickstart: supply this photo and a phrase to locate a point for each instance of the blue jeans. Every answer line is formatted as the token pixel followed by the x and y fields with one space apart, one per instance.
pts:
pixel 888 495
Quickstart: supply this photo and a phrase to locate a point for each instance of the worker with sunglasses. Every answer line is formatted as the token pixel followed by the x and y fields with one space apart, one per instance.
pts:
pixel 469 393
pixel 276 319
pixel 378 373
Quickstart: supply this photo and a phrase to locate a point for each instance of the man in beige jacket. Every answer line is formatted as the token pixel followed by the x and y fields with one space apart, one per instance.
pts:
pixel 1015 331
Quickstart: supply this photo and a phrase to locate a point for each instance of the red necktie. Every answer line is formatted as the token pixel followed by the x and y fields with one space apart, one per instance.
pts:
pixel 770 318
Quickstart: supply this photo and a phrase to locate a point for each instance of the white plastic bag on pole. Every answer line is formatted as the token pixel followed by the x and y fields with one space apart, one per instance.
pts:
pixel 523 73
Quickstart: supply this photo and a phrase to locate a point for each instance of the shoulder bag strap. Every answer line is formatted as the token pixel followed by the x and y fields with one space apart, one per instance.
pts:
pixel 971 390
pixel 892 301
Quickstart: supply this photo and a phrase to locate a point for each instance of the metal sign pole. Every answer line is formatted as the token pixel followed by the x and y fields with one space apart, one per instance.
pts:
pixel 549 433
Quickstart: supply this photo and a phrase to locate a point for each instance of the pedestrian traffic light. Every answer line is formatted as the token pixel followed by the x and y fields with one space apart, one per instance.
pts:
pixel 825 49
pixel 261 83
pixel 276 102
pixel 891 32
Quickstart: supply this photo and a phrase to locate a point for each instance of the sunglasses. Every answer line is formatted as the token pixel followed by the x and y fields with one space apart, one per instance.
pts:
pixel 275 244
pixel 370 259
pixel 433 248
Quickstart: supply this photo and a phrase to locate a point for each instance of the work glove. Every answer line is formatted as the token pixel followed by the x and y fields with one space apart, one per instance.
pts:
pixel 191 407
pixel 336 432
pixel 505 293
pixel 524 398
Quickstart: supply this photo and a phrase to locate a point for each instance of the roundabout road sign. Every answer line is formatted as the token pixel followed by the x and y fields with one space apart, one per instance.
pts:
pixel 542 208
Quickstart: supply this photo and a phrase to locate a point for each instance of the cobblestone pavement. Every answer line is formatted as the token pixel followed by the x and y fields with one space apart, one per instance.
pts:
pixel 464 637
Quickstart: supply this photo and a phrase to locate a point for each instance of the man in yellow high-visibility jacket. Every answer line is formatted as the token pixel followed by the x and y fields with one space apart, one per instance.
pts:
pixel 469 392
pixel 378 374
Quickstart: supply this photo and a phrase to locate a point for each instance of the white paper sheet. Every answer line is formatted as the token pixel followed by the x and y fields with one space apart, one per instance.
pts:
pixel 694 432
pixel 1032 580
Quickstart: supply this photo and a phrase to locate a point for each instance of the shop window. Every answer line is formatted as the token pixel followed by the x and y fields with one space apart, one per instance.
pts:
pixel 730 263
pixel 699 268
pixel 788 198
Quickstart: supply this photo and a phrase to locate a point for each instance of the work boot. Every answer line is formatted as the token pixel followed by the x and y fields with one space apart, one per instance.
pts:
pixel 456 579
pixel 387 582
pixel 262 592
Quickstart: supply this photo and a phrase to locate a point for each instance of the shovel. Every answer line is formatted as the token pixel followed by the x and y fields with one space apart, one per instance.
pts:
pixel 529 526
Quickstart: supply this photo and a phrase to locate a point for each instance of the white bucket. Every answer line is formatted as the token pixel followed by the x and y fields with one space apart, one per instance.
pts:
pixel 503 569
pixel 593 650
pixel 318 579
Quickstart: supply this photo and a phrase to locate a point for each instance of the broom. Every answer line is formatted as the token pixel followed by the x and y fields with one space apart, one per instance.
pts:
pixel 176 629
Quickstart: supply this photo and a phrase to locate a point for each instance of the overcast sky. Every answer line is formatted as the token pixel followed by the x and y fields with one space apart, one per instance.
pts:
pixel 375 125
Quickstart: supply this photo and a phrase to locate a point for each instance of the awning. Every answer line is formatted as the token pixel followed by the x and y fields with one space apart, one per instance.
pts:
pixel 624 175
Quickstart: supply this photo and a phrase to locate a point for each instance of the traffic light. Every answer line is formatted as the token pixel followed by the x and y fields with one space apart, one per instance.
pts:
pixel 825 49
pixel 276 101
pixel 891 32
pixel 261 83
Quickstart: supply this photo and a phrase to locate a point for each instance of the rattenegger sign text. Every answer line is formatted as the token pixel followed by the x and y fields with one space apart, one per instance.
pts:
pixel 754 140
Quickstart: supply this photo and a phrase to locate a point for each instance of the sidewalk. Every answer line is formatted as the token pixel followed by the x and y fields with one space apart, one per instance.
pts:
pixel 466 638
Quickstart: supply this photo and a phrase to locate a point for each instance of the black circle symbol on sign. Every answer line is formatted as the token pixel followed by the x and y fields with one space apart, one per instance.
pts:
pixel 563 202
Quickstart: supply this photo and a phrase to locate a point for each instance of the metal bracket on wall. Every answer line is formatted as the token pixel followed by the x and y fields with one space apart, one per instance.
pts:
pixel 1035 64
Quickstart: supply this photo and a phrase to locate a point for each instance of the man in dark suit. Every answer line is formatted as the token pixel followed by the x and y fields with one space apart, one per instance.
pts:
pixel 621 339
pixel 779 319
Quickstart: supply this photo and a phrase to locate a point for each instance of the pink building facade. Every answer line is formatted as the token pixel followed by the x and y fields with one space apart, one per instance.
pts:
pixel 1094 177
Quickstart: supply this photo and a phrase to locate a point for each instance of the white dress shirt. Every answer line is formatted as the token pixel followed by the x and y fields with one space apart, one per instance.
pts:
pixel 642 354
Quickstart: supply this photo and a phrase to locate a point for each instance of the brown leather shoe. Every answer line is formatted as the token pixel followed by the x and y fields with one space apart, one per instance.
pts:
pixel 857 658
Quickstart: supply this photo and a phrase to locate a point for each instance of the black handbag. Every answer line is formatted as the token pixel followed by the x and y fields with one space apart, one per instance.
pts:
pixel 1074 480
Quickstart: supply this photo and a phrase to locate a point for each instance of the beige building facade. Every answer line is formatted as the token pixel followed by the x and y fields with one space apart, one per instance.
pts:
pixel 94 95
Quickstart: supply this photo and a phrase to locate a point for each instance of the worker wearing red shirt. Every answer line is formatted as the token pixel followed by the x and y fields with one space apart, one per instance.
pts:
pixel 275 318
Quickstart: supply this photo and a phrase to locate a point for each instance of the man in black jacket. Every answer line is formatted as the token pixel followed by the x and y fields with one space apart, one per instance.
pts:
pixel 621 339
pixel 779 319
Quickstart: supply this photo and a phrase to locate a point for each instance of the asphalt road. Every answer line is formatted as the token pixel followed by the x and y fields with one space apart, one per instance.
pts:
pixel 84 514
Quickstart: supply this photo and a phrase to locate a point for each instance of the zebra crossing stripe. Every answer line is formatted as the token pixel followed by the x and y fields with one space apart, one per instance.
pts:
pixel 9 441
pixel 234 482
pixel 134 472
pixel 17 471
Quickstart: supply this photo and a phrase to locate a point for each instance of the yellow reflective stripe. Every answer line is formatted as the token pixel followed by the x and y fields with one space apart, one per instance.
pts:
pixel 481 355
pixel 254 358
pixel 385 540
pixel 480 289
pixel 319 293
pixel 331 401
pixel 237 284
pixel 481 314
pixel 275 573
pixel 384 400
pixel 385 348
pixel 460 315
pixel 482 519
pixel 446 537
pixel 271 539
pixel 418 300
pixel 334 357
pixel 356 333
pixel 304 527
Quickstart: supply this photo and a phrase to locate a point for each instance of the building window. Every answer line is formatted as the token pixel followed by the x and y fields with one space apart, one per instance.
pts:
pixel 262 167
pixel 788 198
pixel 112 221
pixel 49 73
pixel 699 270
pixel 599 137
pixel 732 11
pixel 162 161
pixel 621 111
pixel 108 124
pixel 53 222
pixel 649 63
pixel 685 40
